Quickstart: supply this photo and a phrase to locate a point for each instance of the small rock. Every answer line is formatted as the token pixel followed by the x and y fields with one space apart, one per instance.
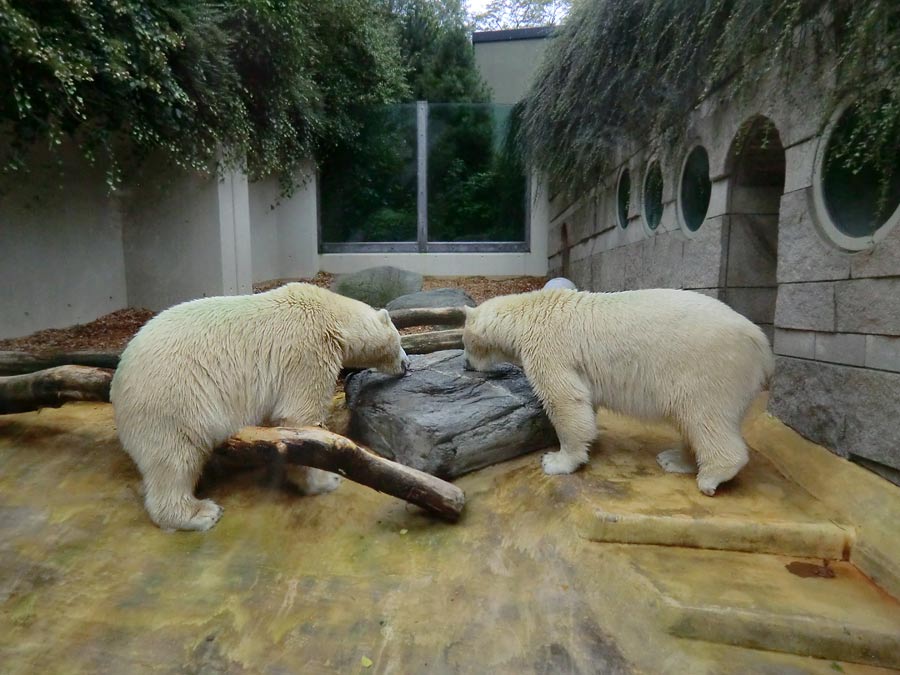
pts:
pixel 445 420
pixel 377 286
pixel 560 282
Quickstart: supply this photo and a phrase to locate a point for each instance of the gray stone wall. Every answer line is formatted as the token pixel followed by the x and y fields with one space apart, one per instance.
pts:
pixel 763 248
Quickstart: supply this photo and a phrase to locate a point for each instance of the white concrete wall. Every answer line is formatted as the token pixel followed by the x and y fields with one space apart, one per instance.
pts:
pixel 61 259
pixel 284 230
pixel 186 236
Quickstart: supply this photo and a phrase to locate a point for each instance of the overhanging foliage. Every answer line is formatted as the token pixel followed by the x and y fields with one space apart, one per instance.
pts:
pixel 632 69
pixel 269 83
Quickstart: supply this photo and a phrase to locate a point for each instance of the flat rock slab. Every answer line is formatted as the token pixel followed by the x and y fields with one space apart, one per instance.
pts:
pixel 445 420
pixel 377 286
pixel 438 297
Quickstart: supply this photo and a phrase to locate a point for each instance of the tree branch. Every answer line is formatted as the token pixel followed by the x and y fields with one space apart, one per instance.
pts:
pixel 316 447
pixel 52 387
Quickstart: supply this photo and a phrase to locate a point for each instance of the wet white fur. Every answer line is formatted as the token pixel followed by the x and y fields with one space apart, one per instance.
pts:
pixel 200 371
pixel 655 354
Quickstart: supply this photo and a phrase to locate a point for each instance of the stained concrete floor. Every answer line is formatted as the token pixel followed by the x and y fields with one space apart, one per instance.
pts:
pixel 538 576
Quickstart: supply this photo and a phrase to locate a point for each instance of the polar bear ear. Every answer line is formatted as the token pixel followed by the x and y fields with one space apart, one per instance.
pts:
pixel 468 310
pixel 385 317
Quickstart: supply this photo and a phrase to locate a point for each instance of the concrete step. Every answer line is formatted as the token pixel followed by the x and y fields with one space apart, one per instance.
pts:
pixel 628 498
pixel 775 603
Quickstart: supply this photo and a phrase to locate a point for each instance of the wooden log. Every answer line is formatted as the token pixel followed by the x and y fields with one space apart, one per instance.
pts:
pixel 435 341
pixel 316 447
pixel 18 363
pixel 52 387
pixel 429 316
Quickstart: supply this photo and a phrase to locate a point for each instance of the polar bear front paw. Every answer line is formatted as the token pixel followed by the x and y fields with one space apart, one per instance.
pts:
pixel 318 482
pixel 556 463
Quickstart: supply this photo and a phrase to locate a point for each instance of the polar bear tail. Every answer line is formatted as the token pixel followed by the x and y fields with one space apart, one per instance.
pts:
pixel 767 358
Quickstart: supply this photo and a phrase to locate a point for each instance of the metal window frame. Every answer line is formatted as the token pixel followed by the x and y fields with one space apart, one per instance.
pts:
pixel 422 244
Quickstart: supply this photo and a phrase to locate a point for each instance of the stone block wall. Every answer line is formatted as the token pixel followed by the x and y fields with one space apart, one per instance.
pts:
pixel 766 249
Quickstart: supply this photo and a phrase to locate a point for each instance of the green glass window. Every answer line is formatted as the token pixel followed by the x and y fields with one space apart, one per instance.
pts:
pixel 653 190
pixel 695 188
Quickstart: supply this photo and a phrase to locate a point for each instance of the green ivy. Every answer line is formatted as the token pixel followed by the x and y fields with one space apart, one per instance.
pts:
pixel 633 69
pixel 262 84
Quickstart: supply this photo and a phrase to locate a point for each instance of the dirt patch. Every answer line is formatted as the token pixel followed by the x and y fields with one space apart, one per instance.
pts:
pixel 113 331
pixel 108 333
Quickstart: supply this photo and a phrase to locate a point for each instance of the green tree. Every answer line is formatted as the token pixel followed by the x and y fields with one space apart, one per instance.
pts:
pixel 269 82
pixel 503 14
pixel 434 40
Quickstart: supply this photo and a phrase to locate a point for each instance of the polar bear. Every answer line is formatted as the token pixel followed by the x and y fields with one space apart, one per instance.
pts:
pixel 665 354
pixel 200 371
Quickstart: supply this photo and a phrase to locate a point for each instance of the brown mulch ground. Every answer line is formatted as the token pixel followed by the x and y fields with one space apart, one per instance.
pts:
pixel 113 331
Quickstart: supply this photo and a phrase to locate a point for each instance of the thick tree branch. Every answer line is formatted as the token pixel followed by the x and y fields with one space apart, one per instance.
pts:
pixel 429 316
pixel 435 341
pixel 17 363
pixel 316 447
pixel 52 387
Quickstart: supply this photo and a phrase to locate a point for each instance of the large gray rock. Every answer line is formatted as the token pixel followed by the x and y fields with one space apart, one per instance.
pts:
pixel 377 286
pixel 445 420
pixel 439 297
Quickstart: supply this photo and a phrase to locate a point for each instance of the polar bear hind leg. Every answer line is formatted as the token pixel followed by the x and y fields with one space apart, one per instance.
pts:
pixel 677 460
pixel 169 482
pixel 720 451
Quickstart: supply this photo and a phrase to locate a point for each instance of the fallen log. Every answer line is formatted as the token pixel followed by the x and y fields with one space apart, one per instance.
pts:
pixel 52 387
pixel 18 363
pixel 435 341
pixel 316 447
pixel 429 316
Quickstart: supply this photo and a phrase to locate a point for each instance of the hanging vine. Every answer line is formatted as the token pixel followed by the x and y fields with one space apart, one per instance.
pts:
pixel 632 69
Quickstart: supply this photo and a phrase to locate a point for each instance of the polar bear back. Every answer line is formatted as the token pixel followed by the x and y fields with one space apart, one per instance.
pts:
pixel 644 352
pixel 211 366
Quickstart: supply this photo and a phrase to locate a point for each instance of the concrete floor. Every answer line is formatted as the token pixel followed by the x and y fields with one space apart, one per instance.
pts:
pixel 538 577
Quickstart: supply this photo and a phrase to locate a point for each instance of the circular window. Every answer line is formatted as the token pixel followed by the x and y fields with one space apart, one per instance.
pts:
pixel 857 196
pixel 695 189
pixel 653 189
pixel 623 198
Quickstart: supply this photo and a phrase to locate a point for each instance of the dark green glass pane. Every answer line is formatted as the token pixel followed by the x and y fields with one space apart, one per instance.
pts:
pixel 695 189
pixel 476 180
pixel 623 198
pixel 860 197
pixel 368 189
pixel 653 189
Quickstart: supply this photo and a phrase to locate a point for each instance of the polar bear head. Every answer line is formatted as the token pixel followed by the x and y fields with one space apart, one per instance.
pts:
pixel 489 336
pixel 374 342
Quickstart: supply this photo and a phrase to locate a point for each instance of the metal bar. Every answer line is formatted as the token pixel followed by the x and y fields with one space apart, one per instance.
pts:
pixel 422 174
pixel 370 247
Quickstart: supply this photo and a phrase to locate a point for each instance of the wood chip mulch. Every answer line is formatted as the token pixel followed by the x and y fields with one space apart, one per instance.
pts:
pixel 113 331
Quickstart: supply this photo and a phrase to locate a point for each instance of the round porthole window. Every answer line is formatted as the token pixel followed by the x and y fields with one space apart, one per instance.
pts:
pixel 857 200
pixel 653 190
pixel 623 198
pixel 695 189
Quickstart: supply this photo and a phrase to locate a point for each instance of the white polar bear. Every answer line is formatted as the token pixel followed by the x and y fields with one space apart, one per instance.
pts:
pixel 654 354
pixel 200 371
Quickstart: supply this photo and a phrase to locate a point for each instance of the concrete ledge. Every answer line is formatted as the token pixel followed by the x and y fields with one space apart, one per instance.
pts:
pixel 861 498
pixel 812 540
pixel 775 603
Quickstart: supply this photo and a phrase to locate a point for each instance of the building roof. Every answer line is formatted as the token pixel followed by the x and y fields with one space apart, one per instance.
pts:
pixel 537 33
